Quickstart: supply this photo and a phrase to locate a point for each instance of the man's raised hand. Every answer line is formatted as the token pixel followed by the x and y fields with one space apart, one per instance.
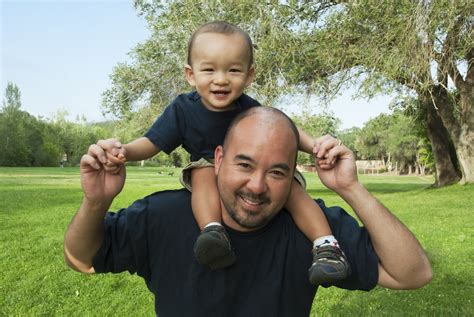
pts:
pixel 99 182
pixel 335 163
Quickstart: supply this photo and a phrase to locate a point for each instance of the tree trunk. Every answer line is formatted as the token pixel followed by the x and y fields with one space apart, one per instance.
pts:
pixel 445 164
pixel 460 130
pixel 465 143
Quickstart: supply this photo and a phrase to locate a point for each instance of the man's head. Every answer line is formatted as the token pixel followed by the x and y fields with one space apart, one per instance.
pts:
pixel 220 58
pixel 255 167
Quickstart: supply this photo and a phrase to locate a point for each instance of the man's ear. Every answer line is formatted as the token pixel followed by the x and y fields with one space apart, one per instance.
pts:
pixel 218 157
pixel 250 76
pixel 188 71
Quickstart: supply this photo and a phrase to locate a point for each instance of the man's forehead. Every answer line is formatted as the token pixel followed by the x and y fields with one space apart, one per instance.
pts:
pixel 263 133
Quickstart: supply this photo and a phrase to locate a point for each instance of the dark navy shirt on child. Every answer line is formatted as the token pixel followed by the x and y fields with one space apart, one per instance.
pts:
pixel 186 121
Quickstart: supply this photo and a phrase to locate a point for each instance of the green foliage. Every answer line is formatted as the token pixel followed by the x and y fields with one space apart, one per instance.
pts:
pixel 155 76
pixel 314 47
pixel 395 139
pixel 29 141
pixel 38 204
pixel 349 139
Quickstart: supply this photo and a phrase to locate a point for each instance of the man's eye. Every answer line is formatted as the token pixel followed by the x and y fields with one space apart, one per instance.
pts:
pixel 278 173
pixel 244 165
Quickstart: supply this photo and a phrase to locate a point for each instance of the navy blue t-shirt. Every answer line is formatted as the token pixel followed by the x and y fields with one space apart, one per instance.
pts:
pixel 154 238
pixel 186 121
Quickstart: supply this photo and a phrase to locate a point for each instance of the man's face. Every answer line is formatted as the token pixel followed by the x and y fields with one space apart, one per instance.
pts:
pixel 220 69
pixel 255 172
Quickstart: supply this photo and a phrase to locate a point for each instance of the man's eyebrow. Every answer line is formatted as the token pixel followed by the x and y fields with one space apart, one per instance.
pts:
pixel 244 157
pixel 282 166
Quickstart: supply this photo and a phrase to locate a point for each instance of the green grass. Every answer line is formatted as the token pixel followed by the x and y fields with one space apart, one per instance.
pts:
pixel 36 205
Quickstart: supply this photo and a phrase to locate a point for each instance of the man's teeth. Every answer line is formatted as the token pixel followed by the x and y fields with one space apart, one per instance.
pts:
pixel 252 202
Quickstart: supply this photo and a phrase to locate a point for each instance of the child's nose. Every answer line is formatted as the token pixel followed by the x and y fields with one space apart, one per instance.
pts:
pixel 220 79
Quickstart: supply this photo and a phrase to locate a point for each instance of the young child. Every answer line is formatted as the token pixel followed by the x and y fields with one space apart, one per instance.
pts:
pixel 220 66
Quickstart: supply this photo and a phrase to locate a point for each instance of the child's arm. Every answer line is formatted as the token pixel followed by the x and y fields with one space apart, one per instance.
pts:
pixel 306 142
pixel 139 149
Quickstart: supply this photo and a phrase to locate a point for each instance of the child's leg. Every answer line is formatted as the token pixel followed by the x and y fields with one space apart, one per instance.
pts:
pixel 205 197
pixel 329 262
pixel 212 246
pixel 307 215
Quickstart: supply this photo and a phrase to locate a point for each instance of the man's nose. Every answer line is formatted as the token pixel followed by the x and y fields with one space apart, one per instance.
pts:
pixel 257 183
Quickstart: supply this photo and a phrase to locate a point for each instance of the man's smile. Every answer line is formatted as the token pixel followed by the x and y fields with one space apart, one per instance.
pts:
pixel 252 202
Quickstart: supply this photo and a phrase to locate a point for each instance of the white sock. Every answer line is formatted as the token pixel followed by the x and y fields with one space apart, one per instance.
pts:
pixel 214 223
pixel 325 240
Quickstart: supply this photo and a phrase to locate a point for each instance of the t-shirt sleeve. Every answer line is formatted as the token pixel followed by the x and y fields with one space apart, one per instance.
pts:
pixel 165 132
pixel 355 242
pixel 125 242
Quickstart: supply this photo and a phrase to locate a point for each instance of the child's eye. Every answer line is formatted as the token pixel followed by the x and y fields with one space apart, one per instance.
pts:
pixel 235 70
pixel 207 70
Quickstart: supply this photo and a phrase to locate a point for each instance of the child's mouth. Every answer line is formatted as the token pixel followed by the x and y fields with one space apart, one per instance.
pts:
pixel 220 93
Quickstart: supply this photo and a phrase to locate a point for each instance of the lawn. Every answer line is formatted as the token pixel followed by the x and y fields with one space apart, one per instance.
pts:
pixel 36 205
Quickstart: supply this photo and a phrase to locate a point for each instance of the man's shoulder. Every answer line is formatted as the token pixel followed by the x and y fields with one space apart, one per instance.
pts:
pixel 172 198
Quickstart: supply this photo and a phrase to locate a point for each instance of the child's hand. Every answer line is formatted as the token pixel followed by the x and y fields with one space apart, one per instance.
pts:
pixel 115 154
pixel 321 152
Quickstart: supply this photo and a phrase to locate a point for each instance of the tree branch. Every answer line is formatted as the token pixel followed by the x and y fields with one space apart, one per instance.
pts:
pixel 446 60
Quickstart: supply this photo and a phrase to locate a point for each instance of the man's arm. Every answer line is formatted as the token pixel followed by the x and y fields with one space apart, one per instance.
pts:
pixel 84 235
pixel 403 263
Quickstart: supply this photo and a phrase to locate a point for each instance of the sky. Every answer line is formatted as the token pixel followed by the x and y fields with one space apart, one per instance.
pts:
pixel 61 53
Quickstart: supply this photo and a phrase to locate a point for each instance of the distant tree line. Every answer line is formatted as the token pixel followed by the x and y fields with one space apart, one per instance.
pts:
pixel 26 140
pixel 397 139
pixel 29 141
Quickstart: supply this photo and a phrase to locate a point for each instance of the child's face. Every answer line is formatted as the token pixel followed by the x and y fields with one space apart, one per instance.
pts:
pixel 220 69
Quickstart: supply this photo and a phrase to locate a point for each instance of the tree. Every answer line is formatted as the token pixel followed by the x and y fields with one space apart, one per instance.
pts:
pixel 318 47
pixel 13 148
pixel 396 140
pixel 403 46
pixel 349 139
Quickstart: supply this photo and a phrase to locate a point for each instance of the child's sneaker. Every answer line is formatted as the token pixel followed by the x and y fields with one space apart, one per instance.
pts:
pixel 329 265
pixel 213 248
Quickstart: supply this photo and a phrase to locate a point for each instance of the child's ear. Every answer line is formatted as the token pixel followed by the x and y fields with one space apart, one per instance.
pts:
pixel 188 71
pixel 250 76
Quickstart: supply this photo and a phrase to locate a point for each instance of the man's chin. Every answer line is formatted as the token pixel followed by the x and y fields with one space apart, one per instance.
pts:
pixel 249 222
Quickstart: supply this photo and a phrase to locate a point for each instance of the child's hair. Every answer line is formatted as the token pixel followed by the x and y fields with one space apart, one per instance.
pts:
pixel 220 27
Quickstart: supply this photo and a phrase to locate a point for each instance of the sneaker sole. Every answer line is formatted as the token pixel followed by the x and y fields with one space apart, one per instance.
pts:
pixel 214 254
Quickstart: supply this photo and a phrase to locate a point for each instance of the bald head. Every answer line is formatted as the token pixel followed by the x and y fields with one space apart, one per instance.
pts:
pixel 265 117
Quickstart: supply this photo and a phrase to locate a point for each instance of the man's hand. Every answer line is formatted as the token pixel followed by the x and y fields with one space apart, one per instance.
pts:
pixel 84 235
pixel 335 163
pixel 101 182
pixel 115 154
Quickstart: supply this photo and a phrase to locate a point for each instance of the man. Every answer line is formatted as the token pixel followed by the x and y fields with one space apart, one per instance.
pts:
pixel 254 168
